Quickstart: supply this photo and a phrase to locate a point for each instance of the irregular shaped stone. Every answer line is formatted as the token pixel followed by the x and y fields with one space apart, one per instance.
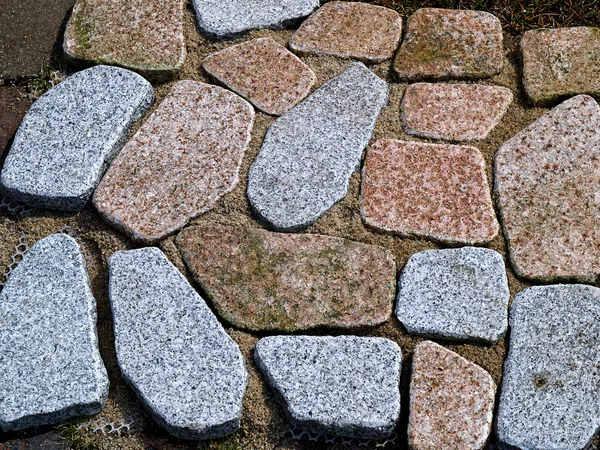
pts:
pixel 49 358
pixel 308 155
pixel 70 135
pixel 442 44
pixel 183 159
pixel 350 30
pixel 227 18
pixel 264 72
pixel 343 385
pixel 451 401
pixel 437 191
pixel 560 62
pixel 546 181
pixel 453 112
pixel 550 397
pixel 13 106
pixel 143 35
pixel 459 293
pixel 259 280
pixel 171 348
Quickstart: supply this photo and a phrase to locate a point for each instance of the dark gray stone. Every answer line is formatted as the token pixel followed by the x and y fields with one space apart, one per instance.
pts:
pixel 171 348
pixel 343 385
pixel 70 135
pixel 550 398
pixel 49 358
pixel 309 153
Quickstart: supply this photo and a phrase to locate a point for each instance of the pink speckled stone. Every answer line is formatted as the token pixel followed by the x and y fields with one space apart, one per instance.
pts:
pixel 451 401
pixel 143 35
pixel 265 73
pixel 561 62
pixel 453 112
pixel 438 191
pixel 350 30
pixel 444 43
pixel 547 181
pixel 183 159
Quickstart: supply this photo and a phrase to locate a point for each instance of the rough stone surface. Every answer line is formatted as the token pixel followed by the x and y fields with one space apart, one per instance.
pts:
pixel 260 280
pixel 71 134
pixel 29 30
pixel 183 159
pixel 453 112
pixel 550 397
pixel 50 363
pixel 561 62
pixel 451 401
pixel 309 153
pixel 343 385
pixel 443 44
pixel 457 293
pixel 264 72
pixel 13 106
pixel 226 18
pixel 431 190
pixel 546 181
pixel 350 30
pixel 171 348
pixel 141 35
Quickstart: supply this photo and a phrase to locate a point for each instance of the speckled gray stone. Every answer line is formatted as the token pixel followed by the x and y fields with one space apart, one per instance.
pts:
pixel 227 18
pixel 345 385
pixel 309 154
pixel 171 348
pixel 71 134
pixel 459 293
pixel 50 366
pixel 550 398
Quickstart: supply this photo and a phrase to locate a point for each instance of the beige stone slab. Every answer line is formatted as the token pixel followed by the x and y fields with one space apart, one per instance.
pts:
pixel 437 191
pixel 259 280
pixel 361 31
pixel 450 44
pixel 451 401
pixel 182 160
pixel 143 35
pixel 453 112
pixel 264 72
pixel 561 62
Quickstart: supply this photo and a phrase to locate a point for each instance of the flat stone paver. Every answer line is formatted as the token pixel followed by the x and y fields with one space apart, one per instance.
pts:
pixel 350 30
pixel 49 359
pixel 437 191
pixel 183 159
pixel 450 44
pixel 13 106
pixel 451 401
pixel 264 72
pixel 546 182
pixel 140 35
pixel 171 348
pixel 345 385
pixel 309 154
pixel 71 134
pixel 550 397
pixel 259 280
pixel 227 18
pixel 453 112
pixel 561 62
pixel 458 294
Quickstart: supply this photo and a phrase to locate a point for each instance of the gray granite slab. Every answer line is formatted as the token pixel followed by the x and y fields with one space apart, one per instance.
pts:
pixel 345 385
pixel 171 348
pixel 459 293
pixel 227 18
pixel 50 364
pixel 70 135
pixel 550 398
pixel 309 154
